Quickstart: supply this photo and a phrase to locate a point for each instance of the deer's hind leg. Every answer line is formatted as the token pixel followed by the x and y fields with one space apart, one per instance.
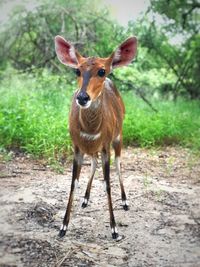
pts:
pixel 117 145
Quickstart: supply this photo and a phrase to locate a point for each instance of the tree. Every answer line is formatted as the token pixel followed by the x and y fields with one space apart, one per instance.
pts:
pixel 181 17
pixel 28 40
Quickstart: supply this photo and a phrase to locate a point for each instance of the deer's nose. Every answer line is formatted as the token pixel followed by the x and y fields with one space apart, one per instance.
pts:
pixel 83 98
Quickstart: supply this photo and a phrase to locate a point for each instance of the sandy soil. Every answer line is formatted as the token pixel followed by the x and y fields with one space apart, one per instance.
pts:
pixel 162 227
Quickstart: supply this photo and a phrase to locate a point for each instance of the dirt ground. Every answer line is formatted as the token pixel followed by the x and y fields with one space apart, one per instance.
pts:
pixel 162 227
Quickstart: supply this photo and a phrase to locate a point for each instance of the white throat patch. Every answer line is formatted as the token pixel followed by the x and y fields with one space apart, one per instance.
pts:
pixel 90 137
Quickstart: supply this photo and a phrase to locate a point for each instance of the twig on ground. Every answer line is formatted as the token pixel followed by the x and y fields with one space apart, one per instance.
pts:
pixel 91 257
pixel 60 262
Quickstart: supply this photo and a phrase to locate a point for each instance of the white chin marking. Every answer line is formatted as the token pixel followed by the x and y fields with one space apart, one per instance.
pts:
pixel 86 106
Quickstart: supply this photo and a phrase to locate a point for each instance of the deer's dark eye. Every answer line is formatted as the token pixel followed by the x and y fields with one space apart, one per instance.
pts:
pixel 78 73
pixel 101 73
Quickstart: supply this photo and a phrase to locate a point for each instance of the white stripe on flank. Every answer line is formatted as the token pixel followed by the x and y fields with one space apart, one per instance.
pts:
pixel 90 137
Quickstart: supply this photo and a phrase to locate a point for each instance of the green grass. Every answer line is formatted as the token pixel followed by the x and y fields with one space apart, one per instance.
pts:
pixel 174 123
pixel 34 114
pixel 34 117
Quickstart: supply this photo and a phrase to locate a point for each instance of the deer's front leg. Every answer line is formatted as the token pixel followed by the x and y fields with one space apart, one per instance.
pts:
pixel 87 192
pixel 105 155
pixel 77 163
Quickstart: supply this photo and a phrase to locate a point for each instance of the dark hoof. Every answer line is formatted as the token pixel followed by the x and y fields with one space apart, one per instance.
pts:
pixel 125 204
pixel 85 203
pixel 115 235
pixel 62 233
pixel 125 207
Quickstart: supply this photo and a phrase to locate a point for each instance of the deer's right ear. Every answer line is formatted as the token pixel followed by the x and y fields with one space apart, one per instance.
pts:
pixel 66 52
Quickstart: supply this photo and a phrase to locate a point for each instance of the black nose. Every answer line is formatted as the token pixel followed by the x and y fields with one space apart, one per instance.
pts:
pixel 83 98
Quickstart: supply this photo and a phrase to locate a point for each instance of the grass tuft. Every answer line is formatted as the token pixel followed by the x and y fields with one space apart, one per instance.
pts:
pixel 174 123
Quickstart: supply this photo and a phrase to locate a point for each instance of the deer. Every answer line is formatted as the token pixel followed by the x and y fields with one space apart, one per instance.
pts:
pixel 96 118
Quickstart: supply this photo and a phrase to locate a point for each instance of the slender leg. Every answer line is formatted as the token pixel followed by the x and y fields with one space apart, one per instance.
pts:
pixel 77 163
pixel 105 155
pixel 87 192
pixel 117 144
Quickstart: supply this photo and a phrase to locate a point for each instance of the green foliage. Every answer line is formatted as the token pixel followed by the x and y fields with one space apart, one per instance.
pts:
pixel 150 80
pixel 28 39
pixel 35 100
pixel 34 117
pixel 182 20
pixel 175 123
pixel 183 14
pixel 33 113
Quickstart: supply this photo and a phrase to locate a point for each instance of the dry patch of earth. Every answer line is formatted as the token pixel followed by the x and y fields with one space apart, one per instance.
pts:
pixel 162 227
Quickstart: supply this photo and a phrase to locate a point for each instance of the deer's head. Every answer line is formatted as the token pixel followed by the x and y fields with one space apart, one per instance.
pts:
pixel 92 71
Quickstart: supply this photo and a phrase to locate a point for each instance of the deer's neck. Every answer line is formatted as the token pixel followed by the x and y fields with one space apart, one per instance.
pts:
pixel 91 118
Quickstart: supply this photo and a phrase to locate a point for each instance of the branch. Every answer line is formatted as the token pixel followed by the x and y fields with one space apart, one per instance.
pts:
pixel 69 14
pixel 181 76
pixel 137 90
pixel 63 23
pixel 170 64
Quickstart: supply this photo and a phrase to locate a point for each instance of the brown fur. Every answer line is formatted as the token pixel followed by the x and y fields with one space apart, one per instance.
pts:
pixel 96 117
pixel 107 119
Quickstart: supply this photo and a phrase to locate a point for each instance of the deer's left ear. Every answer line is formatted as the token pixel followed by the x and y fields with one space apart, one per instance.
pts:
pixel 125 53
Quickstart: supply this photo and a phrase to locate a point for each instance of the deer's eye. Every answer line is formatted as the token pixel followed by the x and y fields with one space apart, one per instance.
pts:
pixel 78 73
pixel 101 73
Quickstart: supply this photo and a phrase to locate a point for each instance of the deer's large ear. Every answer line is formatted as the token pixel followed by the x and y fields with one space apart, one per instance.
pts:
pixel 66 52
pixel 125 53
